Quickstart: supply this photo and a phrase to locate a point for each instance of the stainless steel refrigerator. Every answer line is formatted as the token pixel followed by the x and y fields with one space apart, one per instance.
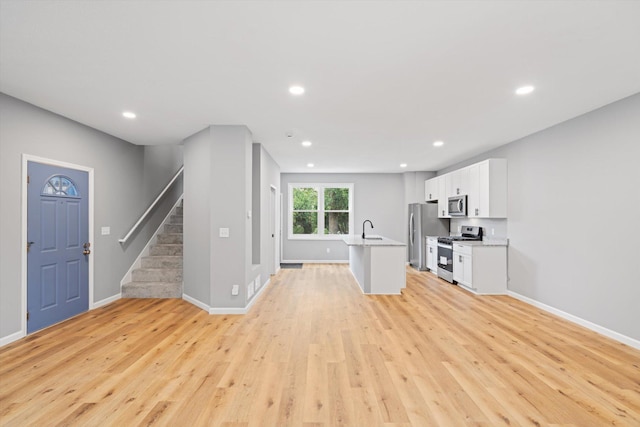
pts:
pixel 423 222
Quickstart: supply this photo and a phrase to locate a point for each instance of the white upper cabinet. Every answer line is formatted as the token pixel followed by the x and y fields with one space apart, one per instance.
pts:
pixel 457 182
pixel 431 190
pixel 487 196
pixel 484 183
pixel 443 201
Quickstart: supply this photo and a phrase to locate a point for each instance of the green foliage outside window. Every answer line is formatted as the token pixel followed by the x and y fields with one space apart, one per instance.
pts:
pixel 305 215
pixel 336 199
pixel 334 210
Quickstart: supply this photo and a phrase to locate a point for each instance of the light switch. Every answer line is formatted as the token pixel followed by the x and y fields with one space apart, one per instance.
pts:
pixel 224 232
pixel 235 289
pixel 105 231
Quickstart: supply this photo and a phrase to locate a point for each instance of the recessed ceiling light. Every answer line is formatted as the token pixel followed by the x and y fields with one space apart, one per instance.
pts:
pixel 309 165
pixel 296 90
pixel 403 165
pixel 524 90
pixel 129 115
pixel 306 143
pixel 438 144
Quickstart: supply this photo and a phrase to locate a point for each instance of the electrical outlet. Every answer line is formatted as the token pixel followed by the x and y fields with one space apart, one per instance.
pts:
pixel 493 231
pixel 235 289
pixel 105 231
pixel 224 232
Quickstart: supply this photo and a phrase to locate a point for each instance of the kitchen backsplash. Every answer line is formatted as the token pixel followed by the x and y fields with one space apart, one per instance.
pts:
pixel 498 226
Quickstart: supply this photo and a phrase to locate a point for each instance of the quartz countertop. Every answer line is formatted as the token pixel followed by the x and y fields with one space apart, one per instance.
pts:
pixel 485 242
pixel 357 240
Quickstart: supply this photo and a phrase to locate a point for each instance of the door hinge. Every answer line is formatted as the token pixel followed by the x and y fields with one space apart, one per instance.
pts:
pixel 28 179
pixel 27 315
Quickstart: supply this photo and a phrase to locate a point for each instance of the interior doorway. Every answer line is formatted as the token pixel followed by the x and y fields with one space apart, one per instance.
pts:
pixel 273 243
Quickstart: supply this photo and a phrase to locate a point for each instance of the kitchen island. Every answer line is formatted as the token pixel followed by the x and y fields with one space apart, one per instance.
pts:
pixel 377 263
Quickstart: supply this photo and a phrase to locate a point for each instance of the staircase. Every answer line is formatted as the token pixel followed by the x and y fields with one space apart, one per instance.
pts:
pixel 160 273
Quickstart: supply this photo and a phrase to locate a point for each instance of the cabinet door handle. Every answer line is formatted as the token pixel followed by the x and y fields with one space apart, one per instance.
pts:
pixel 459 258
pixel 476 211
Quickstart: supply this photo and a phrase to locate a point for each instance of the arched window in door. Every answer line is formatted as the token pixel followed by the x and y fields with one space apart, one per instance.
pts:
pixel 59 185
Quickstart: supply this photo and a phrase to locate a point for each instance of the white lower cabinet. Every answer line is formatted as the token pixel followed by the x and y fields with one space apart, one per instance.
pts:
pixel 480 268
pixel 432 254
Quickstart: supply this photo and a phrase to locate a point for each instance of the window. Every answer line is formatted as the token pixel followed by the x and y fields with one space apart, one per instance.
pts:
pixel 320 211
pixel 59 185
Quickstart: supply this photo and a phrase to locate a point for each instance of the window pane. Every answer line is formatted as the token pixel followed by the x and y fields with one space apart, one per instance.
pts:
pixel 336 223
pixel 305 223
pixel 336 199
pixel 305 199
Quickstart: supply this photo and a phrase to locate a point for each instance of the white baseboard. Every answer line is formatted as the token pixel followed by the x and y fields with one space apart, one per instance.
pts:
pixel 575 319
pixel 227 310
pixel 315 261
pixel 197 303
pixel 105 301
pixel 11 338
pixel 257 294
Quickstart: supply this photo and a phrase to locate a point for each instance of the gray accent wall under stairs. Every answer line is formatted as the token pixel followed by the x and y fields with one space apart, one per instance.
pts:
pixel 160 273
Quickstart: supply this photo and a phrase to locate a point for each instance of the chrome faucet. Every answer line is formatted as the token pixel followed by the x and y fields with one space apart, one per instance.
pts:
pixel 363 223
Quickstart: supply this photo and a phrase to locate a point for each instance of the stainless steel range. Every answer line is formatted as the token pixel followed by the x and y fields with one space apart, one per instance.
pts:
pixel 445 250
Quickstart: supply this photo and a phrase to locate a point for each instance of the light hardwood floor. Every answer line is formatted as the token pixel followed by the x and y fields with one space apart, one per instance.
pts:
pixel 314 351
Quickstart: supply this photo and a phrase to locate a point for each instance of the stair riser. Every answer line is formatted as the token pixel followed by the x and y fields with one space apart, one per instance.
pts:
pixel 162 262
pixel 166 250
pixel 173 228
pixel 161 272
pixel 152 290
pixel 169 238
pixel 156 275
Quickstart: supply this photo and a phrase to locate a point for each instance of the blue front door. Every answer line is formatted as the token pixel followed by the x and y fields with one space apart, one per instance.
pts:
pixel 57 236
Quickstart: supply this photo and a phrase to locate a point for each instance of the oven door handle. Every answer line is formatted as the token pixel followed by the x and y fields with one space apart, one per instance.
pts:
pixel 442 245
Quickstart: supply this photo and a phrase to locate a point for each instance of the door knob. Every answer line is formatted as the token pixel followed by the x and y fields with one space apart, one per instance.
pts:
pixel 86 250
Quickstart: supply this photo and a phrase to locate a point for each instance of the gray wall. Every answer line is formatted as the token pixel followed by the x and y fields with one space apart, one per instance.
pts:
pixel 197 231
pixel 123 174
pixel 378 197
pixel 573 216
pixel 218 169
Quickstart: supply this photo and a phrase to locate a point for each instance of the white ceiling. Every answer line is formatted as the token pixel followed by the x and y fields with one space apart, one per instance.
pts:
pixel 383 79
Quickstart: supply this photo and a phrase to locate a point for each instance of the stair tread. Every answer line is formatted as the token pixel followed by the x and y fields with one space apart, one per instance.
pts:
pixel 163 265
pixel 155 283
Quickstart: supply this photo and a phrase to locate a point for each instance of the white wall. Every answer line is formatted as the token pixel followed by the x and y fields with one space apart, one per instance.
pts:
pixel 269 175
pixel 123 191
pixel 574 209
pixel 378 197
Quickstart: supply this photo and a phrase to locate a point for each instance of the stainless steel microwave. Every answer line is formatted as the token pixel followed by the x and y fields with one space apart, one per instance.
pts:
pixel 458 206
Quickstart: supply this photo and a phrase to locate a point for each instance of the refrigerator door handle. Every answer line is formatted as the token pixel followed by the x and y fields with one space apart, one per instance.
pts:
pixel 411 228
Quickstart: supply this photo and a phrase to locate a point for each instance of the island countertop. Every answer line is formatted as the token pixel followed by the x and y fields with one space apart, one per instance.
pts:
pixel 357 240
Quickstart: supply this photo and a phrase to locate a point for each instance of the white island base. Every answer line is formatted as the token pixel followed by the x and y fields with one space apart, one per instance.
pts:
pixel 378 265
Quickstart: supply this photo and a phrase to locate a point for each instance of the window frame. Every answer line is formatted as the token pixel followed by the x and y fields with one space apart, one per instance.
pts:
pixel 319 187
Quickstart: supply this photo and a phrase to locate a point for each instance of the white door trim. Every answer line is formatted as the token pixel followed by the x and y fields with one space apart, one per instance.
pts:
pixel 273 226
pixel 23 258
